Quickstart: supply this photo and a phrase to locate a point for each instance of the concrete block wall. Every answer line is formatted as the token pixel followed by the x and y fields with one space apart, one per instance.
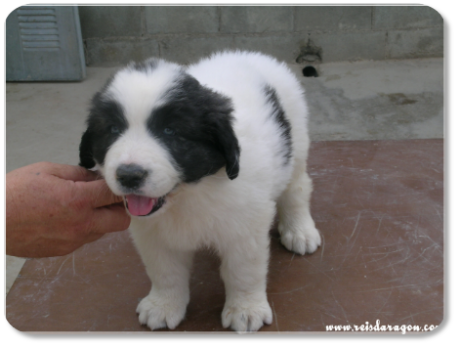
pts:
pixel 115 35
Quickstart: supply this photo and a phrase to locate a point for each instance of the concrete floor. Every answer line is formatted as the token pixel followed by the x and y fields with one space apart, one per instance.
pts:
pixel 349 101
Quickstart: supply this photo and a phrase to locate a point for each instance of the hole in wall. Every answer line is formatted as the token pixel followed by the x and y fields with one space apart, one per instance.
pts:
pixel 309 71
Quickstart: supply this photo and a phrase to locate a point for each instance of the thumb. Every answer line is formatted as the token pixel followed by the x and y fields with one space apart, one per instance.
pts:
pixel 110 219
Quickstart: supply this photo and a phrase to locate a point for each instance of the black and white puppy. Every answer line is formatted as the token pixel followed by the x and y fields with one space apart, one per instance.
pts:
pixel 205 155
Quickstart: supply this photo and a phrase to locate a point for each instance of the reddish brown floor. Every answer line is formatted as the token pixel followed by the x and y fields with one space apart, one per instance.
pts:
pixel 379 207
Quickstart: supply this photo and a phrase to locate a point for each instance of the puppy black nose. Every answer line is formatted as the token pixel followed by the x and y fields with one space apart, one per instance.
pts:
pixel 131 175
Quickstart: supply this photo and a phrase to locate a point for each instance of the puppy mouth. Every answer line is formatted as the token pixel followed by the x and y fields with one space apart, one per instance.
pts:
pixel 143 206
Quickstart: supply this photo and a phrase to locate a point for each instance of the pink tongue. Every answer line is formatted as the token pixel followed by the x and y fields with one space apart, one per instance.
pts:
pixel 140 205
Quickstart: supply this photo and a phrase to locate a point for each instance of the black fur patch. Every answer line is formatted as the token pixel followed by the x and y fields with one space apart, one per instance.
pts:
pixel 106 122
pixel 280 118
pixel 195 125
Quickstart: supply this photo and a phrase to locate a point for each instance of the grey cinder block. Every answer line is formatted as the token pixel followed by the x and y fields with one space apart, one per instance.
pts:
pixel 416 43
pixel 332 18
pixel 110 21
pixel 186 33
pixel 283 47
pixel 406 17
pixel 189 49
pixel 351 46
pixel 256 19
pixel 181 19
pixel 112 52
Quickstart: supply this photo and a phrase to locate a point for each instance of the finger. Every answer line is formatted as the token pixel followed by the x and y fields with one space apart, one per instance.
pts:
pixel 99 193
pixel 110 219
pixel 68 172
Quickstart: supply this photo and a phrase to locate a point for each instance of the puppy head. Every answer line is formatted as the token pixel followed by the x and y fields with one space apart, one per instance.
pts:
pixel 154 127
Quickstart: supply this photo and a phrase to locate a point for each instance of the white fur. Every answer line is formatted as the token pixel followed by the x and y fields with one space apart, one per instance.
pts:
pixel 232 216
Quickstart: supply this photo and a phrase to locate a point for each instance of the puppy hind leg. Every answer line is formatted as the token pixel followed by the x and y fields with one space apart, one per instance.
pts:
pixel 296 225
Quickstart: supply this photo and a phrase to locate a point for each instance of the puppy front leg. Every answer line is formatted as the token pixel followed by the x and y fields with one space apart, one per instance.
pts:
pixel 169 271
pixel 244 270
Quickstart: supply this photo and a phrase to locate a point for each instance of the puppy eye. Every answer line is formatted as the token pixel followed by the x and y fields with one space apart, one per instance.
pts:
pixel 169 131
pixel 114 130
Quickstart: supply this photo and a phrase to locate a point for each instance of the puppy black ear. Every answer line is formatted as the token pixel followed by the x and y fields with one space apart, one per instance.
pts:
pixel 211 113
pixel 86 152
pixel 229 146
pixel 220 110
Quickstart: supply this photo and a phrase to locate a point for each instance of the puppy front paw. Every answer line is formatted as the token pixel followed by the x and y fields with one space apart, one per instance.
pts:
pixel 158 312
pixel 244 316
pixel 304 238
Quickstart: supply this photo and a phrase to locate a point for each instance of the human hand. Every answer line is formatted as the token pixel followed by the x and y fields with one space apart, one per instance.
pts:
pixel 53 209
